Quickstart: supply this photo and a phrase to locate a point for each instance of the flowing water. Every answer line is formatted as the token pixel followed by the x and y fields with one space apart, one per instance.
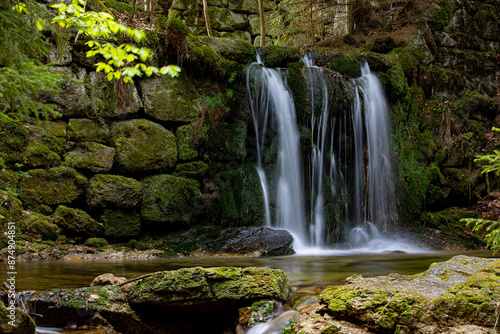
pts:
pixel 350 160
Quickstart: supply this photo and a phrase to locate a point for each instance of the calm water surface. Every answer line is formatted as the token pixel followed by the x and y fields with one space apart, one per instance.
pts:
pixel 303 271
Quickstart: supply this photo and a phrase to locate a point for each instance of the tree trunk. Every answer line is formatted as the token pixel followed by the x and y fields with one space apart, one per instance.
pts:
pixel 134 3
pixel 262 23
pixel 207 19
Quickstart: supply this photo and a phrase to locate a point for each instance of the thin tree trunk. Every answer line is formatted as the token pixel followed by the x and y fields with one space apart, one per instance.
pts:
pixel 262 23
pixel 207 19
pixel 134 3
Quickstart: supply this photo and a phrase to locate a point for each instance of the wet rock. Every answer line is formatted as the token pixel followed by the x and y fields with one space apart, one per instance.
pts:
pixel 261 241
pixel 15 321
pixel 113 191
pixel 450 295
pixel 107 279
pixel 81 306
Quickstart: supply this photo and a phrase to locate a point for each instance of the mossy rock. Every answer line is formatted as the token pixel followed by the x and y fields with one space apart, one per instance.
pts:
pixel 121 224
pixel 21 323
pixel 13 141
pixel 225 142
pixel 377 62
pixel 96 242
pixel 62 306
pixel 383 44
pixel 46 143
pixel 51 186
pixel 237 50
pixel 9 179
pixel 209 290
pixel 298 83
pixel 223 19
pixel 142 145
pixel 250 6
pixel 72 91
pixel 90 156
pixel 88 130
pixel 276 56
pixel 171 99
pixel 76 222
pixel 170 199
pixel 346 65
pixel 193 170
pixel 39 226
pixel 204 60
pixel 118 6
pixel 186 142
pixel 113 191
pixel 11 208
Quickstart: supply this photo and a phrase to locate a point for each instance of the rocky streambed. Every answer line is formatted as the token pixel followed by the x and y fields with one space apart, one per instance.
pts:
pixel 461 295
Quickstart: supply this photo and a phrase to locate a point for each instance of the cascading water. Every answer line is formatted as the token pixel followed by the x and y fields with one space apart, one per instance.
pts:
pixel 349 165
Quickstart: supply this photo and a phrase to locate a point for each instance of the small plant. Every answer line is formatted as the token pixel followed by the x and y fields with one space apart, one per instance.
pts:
pixel 96 242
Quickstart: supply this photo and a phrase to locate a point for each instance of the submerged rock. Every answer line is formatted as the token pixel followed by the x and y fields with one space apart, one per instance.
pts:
pixel 447 298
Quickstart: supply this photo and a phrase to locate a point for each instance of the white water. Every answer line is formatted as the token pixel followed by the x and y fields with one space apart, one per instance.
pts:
pixel 366 206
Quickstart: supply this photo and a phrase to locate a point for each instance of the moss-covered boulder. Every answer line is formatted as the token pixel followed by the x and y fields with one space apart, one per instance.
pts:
pixel 121 224
pixel 225 142
pixel 170 199
pixel 458 292
pixel 193 170
pixel 46 142
pixel 51 186
pixel 15 321
pixel 142 145
pixel 346 65
pixel 90 156
pixel 76 222
pixel 171 99
pixel 231 49
pixel 186 142
pixel 226 20
pixel 11 208
pixel 88 130
pixel 98 305
pixel 209 289
pixel 9 179
pixel 276 56
pixel 38 226
pixel 113 191
pixel 250 6
pixel 13 141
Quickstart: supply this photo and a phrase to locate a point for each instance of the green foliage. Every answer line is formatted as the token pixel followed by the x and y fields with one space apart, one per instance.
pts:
pixel 100 28
pixel 490 226
pixel 96 242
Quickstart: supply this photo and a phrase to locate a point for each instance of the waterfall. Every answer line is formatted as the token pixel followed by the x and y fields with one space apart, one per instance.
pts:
pixel 349 163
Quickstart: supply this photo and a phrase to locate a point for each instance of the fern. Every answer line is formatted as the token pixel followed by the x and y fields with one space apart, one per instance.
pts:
pixel 491 226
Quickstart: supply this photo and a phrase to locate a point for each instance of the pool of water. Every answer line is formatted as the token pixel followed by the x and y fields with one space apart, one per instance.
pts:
pixel 303 271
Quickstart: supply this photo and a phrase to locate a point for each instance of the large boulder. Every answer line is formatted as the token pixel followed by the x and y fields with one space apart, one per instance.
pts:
pixel 113 191
pixel 209 290
pixel 52 186
pixel 45 145
pixel 262 241
pixel 226 20
pixel 459 293
pixel 38 226
pixel 98 306
pixel 142 146
pixel 90 156
pixel 13 141
pixel 76 222
pixel 15 321
pixel 171 99
pixel 11 209
pixel 170 199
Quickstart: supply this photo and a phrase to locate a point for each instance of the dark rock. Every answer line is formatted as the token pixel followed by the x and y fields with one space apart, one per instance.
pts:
pixel 15 321
pixel 261 241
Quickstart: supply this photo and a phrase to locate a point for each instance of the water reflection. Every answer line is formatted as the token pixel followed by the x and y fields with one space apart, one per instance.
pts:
pixel 302 270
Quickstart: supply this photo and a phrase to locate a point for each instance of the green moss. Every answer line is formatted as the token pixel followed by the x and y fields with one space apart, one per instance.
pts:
pixel 171 199
pixel 52 186
pixel 121 223
pixel 96 242
pixel 38 226
pixel 346 65
pixel 11 208
pixel 195 169
pixel 442 15
pixel 13 141
pixel 297 82
pixel 90 156
pixel 76 222
pixel 88 130
pixel 119 6
pixel 277 56
pixel 141 145
pixel 113 191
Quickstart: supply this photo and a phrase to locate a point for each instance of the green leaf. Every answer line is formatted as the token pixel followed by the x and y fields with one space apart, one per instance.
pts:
pixel 110 76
